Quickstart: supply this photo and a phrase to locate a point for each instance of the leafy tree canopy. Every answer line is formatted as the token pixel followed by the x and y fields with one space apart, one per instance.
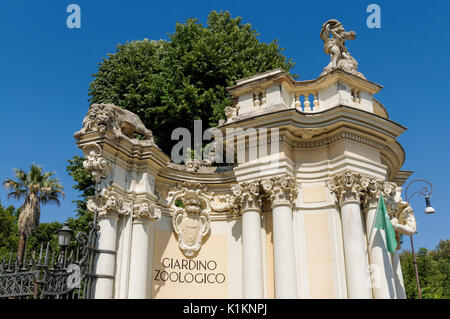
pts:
pixel 434 272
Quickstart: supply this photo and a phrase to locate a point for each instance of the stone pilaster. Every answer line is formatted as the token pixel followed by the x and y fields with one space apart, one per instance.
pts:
pixel 109 205
pixel 143 215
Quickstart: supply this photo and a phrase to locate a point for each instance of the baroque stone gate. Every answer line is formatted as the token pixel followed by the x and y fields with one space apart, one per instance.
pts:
pixel 291 217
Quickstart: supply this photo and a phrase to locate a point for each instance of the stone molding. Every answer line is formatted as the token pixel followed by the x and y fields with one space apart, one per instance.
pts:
pixel 282 190
pixel 337 137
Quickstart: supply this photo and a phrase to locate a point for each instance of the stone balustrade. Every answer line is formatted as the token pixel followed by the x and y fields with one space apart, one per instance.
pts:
pixel 306 106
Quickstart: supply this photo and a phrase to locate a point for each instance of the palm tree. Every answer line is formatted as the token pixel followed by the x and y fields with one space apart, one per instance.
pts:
pixel 36 188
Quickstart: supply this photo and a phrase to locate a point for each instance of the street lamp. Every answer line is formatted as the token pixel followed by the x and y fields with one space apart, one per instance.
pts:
pixel 426 192
pixel 64 236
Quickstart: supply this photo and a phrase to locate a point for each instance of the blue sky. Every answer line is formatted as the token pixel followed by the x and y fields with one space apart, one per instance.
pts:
pixel 46 69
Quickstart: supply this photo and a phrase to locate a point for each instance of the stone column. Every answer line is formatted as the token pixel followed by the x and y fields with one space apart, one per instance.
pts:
pixel 347 189
pixel 381 272
pixel 247 195
pixel 109 205
pixel 282 191
pixel 106 258
pixel 143 215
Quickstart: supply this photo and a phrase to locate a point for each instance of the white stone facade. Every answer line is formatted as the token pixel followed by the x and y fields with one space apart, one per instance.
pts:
pixel 295 222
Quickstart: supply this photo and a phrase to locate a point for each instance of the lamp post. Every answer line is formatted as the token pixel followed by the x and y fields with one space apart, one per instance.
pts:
pixel 64 237
pixel 426 192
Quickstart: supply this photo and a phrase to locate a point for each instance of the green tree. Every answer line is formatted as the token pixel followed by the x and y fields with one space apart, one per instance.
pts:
pixel 85 184
pixel 9 233
pixel 36 188
pixel 434 272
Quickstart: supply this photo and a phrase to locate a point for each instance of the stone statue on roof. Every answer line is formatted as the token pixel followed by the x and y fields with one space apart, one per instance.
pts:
pixel 334 36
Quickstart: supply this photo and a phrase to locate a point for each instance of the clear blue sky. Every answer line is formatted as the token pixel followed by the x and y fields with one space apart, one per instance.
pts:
pixel 45 71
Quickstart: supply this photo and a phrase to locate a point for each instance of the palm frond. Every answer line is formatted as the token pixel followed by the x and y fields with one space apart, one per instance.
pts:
pixel 19 194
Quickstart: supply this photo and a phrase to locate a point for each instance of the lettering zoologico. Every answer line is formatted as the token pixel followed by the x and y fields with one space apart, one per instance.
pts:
pixel 189 277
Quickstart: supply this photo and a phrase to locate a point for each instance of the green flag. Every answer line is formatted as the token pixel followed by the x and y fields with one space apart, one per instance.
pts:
pixel 383 222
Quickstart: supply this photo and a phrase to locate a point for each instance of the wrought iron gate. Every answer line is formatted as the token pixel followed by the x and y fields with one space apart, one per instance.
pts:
pixel 69 276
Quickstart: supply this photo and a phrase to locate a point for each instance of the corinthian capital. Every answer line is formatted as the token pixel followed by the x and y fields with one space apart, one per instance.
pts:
pixel 109 203
pixel 282 190
pixel 247 195
pixel 346 186
pixel 146 211
pixel 94 163
pixel 371 189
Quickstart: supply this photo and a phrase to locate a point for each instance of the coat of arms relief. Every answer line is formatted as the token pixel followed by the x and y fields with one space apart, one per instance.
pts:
pixel 193 205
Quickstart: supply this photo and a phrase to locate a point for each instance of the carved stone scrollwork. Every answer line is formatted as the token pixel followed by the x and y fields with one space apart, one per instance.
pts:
pixel 110 203
pixel 247 195
pixel 346 186
pixel 94 163
pixel 146 211
pixel 282 190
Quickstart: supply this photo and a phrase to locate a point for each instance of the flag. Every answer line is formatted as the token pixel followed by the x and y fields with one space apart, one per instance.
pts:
pixel 382 221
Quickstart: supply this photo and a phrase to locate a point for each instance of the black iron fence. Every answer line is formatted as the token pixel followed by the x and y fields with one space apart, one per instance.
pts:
pixel 67 274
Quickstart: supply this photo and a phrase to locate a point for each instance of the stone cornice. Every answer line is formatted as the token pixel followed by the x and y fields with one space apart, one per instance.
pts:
pixel 276 76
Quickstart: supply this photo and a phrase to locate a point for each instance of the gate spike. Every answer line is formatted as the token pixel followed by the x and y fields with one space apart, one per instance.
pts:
pixel 46 254
pixel 10 258
pixel 25 257
pixel 71 257
pixel 40 254
pixel 53 258
pixel 78 254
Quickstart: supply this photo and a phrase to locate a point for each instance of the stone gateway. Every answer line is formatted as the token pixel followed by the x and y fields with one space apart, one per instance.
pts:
pixel 294 221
